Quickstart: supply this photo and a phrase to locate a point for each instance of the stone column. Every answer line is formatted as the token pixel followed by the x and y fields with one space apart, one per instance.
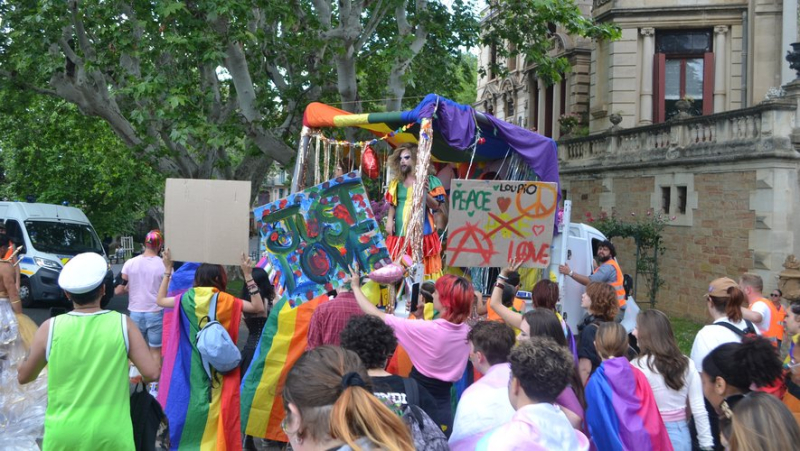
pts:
pixel 542 106
pixel 788 36
pixel 720 64
pixel 556 109
pixel 646 89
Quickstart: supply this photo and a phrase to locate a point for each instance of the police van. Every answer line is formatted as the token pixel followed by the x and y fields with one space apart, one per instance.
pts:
pixel 51 234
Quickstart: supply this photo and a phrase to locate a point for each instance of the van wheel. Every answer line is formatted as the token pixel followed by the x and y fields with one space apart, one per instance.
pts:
pixel 25 293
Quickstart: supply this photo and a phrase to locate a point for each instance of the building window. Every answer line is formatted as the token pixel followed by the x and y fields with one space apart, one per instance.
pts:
pixel 684 70
pixel 492 61
pixel 666 199
pixel 682 200
pixel 510 107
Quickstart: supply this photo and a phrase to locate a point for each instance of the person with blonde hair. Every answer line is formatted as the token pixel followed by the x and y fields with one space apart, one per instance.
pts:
pixel 399 196
pixel 674 379
pixel 621 410
pixel 330 406
pixel 761 422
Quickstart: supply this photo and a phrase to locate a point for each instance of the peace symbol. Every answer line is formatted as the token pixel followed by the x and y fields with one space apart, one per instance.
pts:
pixel 538 208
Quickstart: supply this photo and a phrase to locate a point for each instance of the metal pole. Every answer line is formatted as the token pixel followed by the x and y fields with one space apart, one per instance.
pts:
pixel 563 229
pixel 298 175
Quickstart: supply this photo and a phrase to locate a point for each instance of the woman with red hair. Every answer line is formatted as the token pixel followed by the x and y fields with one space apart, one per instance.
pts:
pixel 438 349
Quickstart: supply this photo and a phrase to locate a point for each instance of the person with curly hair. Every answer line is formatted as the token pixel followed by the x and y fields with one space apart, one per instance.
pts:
pixel 600 303
pixel 731 371
pixel 621 412
pixel 399 196
pixel 374 342
pixel 438 349
pixel 540 369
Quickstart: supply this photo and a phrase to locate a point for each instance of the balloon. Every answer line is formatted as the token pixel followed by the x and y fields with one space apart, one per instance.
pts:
pixel 390 273
pixel 372 291
pixel 369 163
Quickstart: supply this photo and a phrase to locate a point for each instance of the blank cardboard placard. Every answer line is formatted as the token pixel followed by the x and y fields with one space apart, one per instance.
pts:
pixel 207 220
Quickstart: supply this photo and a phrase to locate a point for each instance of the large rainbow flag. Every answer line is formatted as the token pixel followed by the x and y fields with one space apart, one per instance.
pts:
pixel 199 419
pixel 622 413
pixel 283 341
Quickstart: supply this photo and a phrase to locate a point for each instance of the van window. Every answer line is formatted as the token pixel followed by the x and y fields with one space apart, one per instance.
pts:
pixel 14 232
pixel 62 238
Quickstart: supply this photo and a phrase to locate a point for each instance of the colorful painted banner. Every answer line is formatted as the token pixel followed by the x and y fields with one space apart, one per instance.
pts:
pixel 492 222
pixel 313 236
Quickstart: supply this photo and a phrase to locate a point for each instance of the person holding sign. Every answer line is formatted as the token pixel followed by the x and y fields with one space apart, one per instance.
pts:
pixel 399 196
pixel 203 411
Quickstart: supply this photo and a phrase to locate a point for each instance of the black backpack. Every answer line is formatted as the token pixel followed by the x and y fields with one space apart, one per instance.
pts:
pixel 749 330
pixel 427 435
pixel 150 425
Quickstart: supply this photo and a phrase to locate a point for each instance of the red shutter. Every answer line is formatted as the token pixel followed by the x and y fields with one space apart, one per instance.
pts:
pixel 659 111
pixel 708 84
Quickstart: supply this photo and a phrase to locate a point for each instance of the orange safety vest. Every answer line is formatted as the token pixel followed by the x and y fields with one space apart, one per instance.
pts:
pixel 775 318
pixel 618 285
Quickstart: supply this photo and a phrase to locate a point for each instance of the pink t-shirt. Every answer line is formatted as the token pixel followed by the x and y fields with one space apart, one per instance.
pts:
pixel 144 278
pixel 437 348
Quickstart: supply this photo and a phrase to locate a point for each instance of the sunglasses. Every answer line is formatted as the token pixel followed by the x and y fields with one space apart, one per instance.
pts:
pixel 773 295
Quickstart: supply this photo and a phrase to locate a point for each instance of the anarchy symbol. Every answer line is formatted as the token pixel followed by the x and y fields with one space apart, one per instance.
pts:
pixel 472 235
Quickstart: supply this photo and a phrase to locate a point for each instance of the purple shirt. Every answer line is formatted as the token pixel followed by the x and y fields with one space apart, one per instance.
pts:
pixel 438 348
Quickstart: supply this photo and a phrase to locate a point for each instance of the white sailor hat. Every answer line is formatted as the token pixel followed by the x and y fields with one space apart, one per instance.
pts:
pixel 83 273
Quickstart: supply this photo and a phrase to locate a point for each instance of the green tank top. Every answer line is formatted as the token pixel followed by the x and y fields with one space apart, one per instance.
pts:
pixel 88 390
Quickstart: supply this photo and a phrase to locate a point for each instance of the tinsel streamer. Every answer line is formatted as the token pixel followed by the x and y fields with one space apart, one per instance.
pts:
pixel 317 146
pixel 327 167
pixel 415 230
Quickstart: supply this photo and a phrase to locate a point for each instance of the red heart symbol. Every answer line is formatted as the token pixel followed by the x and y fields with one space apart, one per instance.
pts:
pixel 503 203
pixel 538 229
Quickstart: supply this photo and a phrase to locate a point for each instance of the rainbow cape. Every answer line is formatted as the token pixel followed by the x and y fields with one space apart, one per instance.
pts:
pixel 197 421
pixel 622 413
pixel 283 341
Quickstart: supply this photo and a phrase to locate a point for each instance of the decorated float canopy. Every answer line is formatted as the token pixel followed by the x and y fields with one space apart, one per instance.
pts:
pixel 457 131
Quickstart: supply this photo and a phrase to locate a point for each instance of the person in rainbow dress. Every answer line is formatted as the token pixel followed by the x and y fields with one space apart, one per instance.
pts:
pixel 399 196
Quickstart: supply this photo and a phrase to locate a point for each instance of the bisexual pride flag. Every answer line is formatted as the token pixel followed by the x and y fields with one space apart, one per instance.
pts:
pixel 621 411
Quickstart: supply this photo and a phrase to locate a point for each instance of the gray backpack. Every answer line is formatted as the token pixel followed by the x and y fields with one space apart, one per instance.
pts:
pixel 217 350
pixel 427 435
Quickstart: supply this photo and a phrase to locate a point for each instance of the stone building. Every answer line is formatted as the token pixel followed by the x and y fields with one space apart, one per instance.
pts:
pixel 693 113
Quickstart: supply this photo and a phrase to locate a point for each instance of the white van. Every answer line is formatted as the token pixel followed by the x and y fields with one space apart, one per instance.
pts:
pixel 51 234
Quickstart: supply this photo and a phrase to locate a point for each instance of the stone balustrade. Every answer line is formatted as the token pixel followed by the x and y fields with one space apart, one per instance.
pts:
pixel 738 131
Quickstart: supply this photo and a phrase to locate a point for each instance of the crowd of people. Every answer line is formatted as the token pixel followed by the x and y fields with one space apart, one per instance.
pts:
pixel 486 372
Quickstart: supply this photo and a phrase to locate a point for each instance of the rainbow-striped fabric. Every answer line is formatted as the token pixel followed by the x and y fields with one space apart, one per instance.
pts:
pixel 622 413
pixel 283 341
pixel 197 420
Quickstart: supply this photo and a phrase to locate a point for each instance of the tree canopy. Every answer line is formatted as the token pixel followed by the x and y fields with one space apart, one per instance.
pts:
pixel 216 89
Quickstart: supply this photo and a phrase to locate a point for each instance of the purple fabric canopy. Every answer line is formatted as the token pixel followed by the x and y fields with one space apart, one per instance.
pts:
pixel 457 124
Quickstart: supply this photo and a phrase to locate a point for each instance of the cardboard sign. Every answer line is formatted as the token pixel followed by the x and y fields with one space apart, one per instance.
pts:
pixel 493 221
pixel 313 236
pixel 207 220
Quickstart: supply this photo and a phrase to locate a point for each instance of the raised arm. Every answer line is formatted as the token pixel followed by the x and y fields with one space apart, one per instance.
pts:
pixel 508 316
pixel 161 299
pixel 366 306
pixel 256 304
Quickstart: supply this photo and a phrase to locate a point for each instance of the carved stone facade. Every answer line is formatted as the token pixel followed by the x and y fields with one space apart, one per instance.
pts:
pixel 720 159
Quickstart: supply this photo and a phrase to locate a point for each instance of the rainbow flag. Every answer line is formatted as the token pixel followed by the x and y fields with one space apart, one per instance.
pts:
pixel 197 420
pixel 622 413
pixel 283 341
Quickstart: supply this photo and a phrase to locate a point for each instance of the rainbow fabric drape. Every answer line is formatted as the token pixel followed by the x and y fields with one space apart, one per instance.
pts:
pixel 622 413
pixel 197 421
pixel 283 341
